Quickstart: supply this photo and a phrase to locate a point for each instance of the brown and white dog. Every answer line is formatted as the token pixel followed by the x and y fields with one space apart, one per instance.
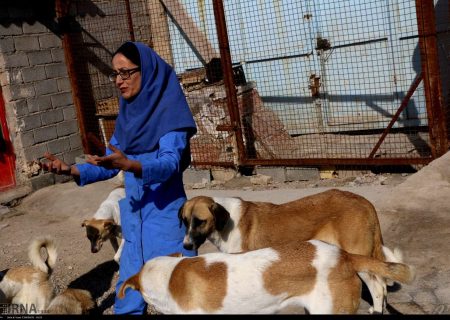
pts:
pixel 72 301
pixel 29 287
pixel 105 224
pixel 338 217
pixel 315 275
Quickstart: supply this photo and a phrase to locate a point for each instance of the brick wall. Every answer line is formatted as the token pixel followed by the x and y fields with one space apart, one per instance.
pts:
pixel 36 88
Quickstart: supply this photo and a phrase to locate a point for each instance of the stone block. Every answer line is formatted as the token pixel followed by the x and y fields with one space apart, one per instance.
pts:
pixel 52 117
pixel 278 174
pixel 31 122
pixel 32 74
pixel 66 128
pixel 192 176
pixel 302 174
pixel 35 152
pixel 27 139
pixel 40 103
pixel 64 84
pixel 56 70
pixel 21 91
pixel 59 145
pixel 223 174
pixel 62 99
pixel 20 106
pixel 26 43
pixel 69 157
pixel 10 29
pixel 57 54
pixel 46 87
pixel 69 113
pixel 18 59
pixel 47 41
pixel 35 27
pixel 62 179
pixel 75 141
pixel 39 57
pixel 43 180
pixel 12 77
pixel 261 179
pixel 43 134
pixel 7 45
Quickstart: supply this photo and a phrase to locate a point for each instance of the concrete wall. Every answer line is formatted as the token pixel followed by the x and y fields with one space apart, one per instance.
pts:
pixel 38 99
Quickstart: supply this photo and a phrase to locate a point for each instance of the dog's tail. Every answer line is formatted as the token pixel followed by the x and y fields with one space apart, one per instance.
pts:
pixel 393 256
pixel 34 253
pixel 399 272
pixel 133 282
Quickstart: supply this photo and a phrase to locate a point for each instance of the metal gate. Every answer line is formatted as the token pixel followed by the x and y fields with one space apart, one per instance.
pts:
pixel 280 82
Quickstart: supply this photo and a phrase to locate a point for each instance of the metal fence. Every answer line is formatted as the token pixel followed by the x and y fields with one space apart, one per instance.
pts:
pixel 287 83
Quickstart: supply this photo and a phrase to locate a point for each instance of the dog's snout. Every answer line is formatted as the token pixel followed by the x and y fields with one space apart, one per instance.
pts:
pixel 187 243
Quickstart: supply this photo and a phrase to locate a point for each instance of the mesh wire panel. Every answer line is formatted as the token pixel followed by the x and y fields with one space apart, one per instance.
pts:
pixel 314 79
pixel 328 77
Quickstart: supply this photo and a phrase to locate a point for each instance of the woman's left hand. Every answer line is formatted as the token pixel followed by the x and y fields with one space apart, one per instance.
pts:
pixel 116 160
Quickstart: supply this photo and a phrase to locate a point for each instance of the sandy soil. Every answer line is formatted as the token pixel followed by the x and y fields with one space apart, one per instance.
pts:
pixel 413 211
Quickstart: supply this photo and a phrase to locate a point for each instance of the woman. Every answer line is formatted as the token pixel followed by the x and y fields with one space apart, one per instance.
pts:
pixel 151 144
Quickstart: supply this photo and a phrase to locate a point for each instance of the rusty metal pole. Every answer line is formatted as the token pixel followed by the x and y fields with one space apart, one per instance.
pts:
pixel 61 14
pixel 431 77
pixel 402 107
pixel 129 20
pixel 230 88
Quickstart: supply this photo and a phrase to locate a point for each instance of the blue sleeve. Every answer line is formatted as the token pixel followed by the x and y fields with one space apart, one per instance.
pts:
pixel 167 163
pixel 90 173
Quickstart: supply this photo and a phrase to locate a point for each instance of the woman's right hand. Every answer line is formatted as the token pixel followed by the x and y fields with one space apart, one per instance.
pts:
pixel 55 165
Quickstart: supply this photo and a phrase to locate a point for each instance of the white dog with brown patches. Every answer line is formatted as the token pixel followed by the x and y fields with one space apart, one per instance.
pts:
pixel 105 224
pixel 30 286
pixel 338 217
pixel 315 275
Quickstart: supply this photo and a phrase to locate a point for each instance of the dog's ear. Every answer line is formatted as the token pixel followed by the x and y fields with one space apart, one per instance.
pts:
pixel 180 215
pixel 83 224
pixel 221 215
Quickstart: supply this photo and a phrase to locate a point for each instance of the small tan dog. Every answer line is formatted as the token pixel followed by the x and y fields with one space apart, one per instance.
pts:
pixel 29 286
pixel 72 301
pixel 105 224
pixel 315 275
pixel 338 217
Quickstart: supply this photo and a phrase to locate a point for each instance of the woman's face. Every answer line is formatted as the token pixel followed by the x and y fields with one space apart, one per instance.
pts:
pixel 131 86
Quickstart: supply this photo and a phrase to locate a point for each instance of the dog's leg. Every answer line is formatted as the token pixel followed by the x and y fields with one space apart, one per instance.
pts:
pixel 114 243
pixel 119 251
pixel 377 291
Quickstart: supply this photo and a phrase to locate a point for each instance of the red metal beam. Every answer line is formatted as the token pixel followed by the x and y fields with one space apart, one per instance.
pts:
pixel 129 20
pixel 431 76
pixel 61 7
pixel 402 107
pixel 230 88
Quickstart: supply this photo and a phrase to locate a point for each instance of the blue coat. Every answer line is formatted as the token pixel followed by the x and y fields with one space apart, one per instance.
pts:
pixel 149 212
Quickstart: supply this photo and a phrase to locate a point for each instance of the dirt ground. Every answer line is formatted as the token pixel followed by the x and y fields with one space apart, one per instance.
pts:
pixel 414 212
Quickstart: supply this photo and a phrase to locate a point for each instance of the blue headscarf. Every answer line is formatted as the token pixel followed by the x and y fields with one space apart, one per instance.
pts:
pixel 159 107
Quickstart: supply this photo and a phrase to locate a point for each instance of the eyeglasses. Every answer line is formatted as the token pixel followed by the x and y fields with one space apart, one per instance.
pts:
pixel 124 74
